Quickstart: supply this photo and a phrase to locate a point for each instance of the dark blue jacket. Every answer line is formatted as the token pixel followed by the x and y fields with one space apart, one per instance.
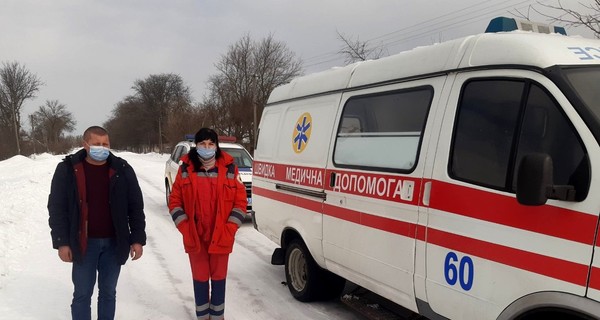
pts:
pixel 68 213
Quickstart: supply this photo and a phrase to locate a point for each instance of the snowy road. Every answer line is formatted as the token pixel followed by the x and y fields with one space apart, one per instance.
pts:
pixel 35 284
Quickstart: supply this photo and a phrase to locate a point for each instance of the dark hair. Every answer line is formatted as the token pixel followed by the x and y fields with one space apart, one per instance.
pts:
pixel 97 130
pixel 201 135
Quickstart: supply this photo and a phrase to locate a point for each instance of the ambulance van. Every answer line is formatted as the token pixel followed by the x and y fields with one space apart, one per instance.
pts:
pixel 459 180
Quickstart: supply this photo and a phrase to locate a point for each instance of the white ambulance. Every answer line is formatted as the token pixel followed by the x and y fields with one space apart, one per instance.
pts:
pixel 459 180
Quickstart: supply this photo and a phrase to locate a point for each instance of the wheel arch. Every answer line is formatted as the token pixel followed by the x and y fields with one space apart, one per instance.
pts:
pixel 313 245
pixel 288 235
pixel 551 302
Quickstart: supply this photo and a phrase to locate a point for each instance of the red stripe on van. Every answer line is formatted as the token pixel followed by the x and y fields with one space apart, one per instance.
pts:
pixel 568 271
pixel 469 202
pixel 298 175
pixel 421 233
pixel 356 182
pixel 552 267
pixel 505 210
pixel 402 228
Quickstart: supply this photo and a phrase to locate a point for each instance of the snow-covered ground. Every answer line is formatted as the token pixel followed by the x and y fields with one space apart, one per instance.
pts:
pixel 35 284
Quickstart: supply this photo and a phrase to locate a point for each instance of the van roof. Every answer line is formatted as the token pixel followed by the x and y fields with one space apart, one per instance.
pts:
pixel 516 48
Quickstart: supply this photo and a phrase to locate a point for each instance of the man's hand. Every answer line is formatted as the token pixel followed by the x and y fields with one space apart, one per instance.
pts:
pixel 136 251
pixel 65 254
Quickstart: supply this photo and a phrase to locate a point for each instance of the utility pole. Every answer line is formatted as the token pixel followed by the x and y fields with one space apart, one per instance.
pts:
pixel 160 142
pixel 254 106
pixel 32 132
pixel 255 126
pixel 14 111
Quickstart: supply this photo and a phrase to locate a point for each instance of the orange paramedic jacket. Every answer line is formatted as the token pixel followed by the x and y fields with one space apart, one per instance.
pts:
pixel 231 206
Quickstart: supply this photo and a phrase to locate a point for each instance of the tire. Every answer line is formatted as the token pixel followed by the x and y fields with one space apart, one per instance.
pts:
pixel 301 272
pixel 305 279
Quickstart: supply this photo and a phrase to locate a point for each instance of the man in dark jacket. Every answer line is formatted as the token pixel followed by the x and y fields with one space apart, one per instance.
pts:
pixel 96 220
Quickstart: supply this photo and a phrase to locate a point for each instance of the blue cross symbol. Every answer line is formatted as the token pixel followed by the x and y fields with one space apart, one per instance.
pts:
pixel 301 137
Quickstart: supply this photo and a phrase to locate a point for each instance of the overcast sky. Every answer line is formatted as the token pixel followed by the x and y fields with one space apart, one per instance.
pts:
pixel 89 53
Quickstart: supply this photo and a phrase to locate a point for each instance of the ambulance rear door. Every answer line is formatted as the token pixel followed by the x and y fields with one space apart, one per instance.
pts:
pixel 289 169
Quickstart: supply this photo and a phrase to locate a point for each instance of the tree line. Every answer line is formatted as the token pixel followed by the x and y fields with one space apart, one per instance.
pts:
pixel 160 110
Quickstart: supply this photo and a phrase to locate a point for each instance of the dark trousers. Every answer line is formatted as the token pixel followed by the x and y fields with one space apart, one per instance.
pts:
pixel 100 260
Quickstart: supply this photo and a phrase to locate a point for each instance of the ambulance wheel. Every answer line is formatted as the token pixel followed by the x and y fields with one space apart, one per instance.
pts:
pixel 301 272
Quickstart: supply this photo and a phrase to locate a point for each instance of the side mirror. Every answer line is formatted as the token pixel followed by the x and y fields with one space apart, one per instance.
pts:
pixel 534 178
pixel 535 182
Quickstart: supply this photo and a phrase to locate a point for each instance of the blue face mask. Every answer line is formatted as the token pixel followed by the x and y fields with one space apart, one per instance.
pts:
pixel 206 153
pixel 99 153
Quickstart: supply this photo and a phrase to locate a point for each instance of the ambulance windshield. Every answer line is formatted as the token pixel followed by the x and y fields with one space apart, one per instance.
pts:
pixel 585 81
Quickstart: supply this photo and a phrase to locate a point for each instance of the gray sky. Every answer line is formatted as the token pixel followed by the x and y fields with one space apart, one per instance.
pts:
pixel 89 53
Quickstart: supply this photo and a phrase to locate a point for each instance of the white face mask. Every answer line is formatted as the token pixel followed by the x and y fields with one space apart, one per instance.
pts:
pixel 99 153
pixel 206 153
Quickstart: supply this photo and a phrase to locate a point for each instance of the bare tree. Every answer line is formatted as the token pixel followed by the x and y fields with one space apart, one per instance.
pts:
pixel 571 17
pixel 185 122
pixel 162 94
pixel 232 91
pixel 248 72
pixel 50 122
pixel 356 50
pixel 132 126
pixel 17 84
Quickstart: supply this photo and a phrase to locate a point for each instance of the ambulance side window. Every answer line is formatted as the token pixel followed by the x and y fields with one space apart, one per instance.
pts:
pixel 382 131
pixel 499 121
pixel 485 130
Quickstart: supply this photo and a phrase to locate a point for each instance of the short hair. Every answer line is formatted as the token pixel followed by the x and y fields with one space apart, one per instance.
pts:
pixel 97 130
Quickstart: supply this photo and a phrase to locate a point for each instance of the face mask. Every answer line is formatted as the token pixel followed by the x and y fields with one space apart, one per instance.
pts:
pixel 206 153
pixel 99 153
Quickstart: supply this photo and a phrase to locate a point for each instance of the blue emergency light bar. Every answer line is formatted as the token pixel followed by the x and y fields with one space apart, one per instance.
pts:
pixel 500 24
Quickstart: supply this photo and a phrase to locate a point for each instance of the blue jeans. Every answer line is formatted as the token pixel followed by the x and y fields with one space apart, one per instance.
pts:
pixel 100 259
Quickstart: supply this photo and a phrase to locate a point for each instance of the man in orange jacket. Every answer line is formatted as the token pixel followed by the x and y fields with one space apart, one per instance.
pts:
pixel 208 204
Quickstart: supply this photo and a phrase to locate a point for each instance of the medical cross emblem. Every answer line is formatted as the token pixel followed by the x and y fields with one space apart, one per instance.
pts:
pixel 302 132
